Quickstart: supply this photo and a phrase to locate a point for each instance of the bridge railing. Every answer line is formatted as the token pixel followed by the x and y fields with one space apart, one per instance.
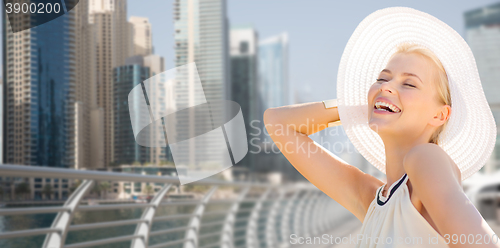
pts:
pixel 260 215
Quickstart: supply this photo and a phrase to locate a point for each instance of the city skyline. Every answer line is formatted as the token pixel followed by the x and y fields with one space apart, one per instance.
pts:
pixel 117 50
pixel 331 27
pixel 318 32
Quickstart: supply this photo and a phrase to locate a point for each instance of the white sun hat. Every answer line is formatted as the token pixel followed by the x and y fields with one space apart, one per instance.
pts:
pixel 470 135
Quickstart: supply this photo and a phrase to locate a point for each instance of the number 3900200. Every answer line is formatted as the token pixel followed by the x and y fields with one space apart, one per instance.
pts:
pixel 33 8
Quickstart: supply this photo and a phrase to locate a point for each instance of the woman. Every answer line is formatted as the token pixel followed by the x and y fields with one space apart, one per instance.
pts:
pixel 412 119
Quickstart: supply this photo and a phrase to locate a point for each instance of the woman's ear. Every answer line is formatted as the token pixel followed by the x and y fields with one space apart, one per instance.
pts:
pixel 441 116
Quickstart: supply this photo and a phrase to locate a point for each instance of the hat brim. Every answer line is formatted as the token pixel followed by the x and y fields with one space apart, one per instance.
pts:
pixel 470 135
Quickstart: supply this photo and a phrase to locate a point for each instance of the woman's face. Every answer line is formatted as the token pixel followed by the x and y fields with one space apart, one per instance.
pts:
pixel 408 82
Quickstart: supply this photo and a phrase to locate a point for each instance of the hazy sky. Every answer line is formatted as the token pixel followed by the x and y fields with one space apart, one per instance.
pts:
pixel 318 30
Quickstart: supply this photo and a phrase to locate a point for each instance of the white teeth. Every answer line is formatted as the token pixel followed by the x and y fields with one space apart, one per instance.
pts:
pixel 392 107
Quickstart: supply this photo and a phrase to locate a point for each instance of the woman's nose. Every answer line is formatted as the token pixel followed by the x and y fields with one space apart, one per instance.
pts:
pixel 386 86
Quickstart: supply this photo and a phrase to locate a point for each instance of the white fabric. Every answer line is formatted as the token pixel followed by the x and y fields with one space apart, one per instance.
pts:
pixel 398 221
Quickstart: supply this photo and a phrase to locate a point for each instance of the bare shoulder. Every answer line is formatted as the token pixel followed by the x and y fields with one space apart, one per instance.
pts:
pixel 436 183
pixel 430 160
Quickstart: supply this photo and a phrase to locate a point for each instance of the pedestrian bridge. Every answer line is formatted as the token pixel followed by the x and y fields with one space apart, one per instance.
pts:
pixel 257 215
pixel 253 215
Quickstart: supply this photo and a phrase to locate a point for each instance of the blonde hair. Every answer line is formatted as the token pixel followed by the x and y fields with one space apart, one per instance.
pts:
pixel 442 84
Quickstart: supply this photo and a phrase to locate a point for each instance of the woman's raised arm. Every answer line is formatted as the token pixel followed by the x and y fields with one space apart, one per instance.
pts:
pixel 289 127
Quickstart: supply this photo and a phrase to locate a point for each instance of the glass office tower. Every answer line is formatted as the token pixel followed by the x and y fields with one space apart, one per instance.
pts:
pixel 39 83
pixel 126 149
pixel 201 36
pixel 483 36
pixel 273 71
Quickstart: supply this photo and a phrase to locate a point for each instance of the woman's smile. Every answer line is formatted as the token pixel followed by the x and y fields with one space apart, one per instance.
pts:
pixel 383 111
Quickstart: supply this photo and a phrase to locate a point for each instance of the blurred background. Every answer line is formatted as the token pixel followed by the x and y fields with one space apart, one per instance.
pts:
pixel 64 109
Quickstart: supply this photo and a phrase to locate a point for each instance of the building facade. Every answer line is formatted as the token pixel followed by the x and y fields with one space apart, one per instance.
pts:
pixel 142 36
pixel 201 36
pixel 274 88
pixel 244 86
pixel 112 46
pixel 273 71
pixel 483 36
pixel 126 150
pixel 135 72
pixel 39 78
pixel 46 98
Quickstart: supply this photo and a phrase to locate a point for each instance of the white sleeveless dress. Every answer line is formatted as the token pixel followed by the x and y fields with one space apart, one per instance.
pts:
pixel 393 221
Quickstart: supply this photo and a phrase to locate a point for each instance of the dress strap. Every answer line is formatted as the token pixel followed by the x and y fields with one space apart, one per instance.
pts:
pixel 382 200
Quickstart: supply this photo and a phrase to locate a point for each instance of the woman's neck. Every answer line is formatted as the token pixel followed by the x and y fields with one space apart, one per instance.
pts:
pixel 395 152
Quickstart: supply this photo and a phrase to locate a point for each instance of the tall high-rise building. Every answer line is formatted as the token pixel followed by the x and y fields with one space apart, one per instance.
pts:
pixel 126 149
pixel 273 73
pixel 137 70
pixel 483 36
pixel 273 70
pixel 40 78
pixel 112 47
pixel 141 36
pixel 50 92
pixel 244 85
pixel 85 91
pixel 1 119
pixel 201 36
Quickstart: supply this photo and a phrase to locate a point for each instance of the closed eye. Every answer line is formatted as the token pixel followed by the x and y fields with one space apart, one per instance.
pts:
pixel 381 79
pixel 411 85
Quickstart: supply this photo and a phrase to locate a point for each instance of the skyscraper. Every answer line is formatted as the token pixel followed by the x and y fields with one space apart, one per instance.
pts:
pixel 126 150
pixel 1 119
pixel 137 70
pixel 112 47
pixel 244 83
pixel 141 36
pixel 274 88
pixel 483 36
pixel 85 91
pixel 39 88
pixel 273 71
pixel 201 36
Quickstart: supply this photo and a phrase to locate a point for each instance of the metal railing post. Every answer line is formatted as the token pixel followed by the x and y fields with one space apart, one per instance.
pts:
pixel 271 237
pixel 313 214
pixel 298 215
pixel 143 229
pixel 194 224
pixel 307 214
pixel 323 218
pixel 253 223
pixel 286 229
pixel 328 213
pixel 317 212
pixel 63 218
pixel 227 229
